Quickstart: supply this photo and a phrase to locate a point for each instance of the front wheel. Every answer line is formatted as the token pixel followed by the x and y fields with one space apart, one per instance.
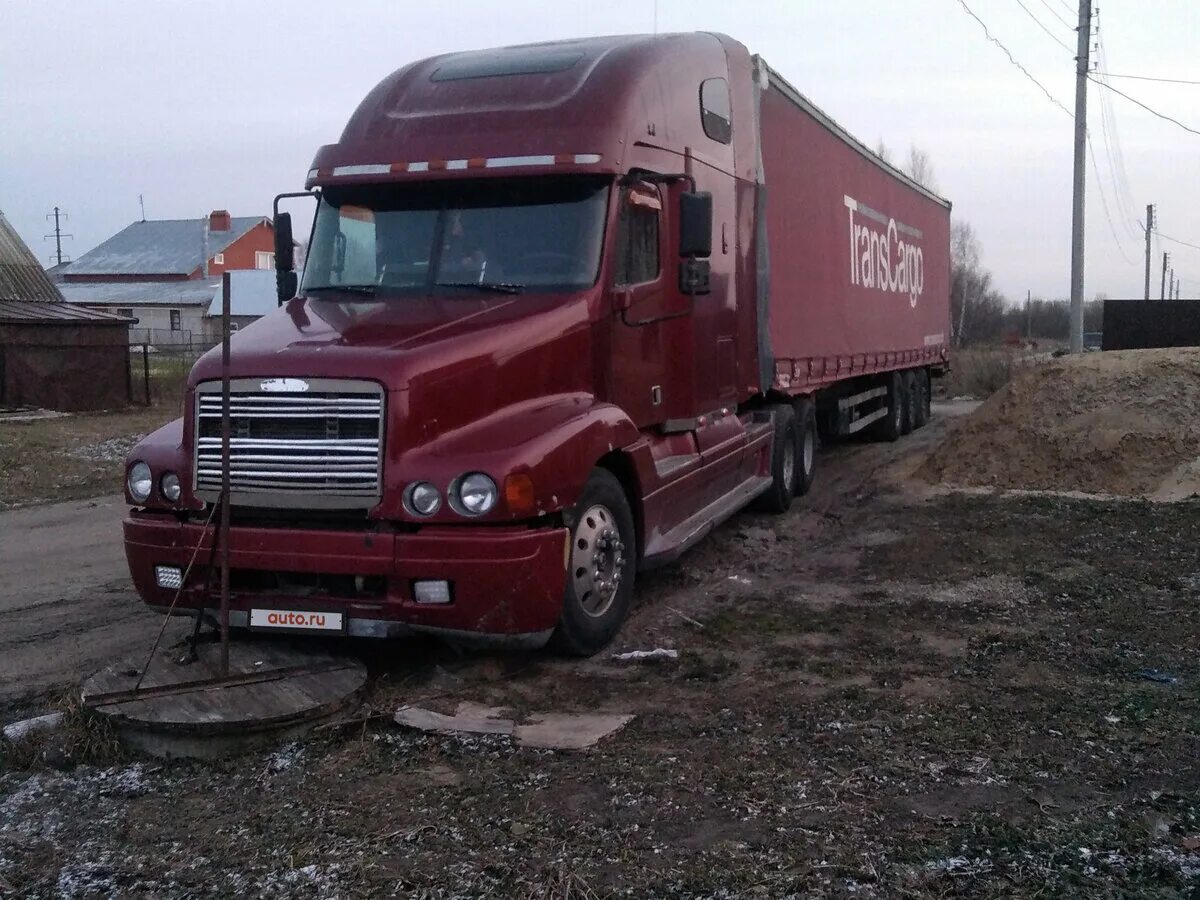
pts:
pixel 603 561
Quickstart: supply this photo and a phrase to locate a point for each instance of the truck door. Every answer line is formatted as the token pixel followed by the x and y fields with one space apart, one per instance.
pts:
pixel 651 360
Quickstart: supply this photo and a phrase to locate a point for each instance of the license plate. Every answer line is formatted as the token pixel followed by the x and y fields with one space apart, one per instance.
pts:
pixel 295 620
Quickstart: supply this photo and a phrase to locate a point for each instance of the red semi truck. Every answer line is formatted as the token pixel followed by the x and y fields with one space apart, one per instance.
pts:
pixel 566 307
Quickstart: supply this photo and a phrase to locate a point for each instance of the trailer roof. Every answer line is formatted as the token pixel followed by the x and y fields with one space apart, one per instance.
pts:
pixel 828 122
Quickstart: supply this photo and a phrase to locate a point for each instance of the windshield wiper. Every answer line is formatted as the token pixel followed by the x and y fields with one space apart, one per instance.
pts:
pixel 367 290
pixel 496 287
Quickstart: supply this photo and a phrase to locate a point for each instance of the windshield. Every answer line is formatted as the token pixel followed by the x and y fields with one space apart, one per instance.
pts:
pixel 536 235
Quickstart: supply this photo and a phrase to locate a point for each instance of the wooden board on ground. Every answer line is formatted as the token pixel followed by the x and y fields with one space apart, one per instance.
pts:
pixel 273 691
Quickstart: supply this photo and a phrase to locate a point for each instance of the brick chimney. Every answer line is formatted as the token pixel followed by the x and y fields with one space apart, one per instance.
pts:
pixel 220 220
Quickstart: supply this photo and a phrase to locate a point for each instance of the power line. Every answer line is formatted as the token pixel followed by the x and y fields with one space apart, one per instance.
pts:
pixel 1142 105
pixel 1069 26
pixel 1104 205
pixel 1167 237
pixel 1116 156
pixel 1050 33
pixel 1148 78
pixel 1012 59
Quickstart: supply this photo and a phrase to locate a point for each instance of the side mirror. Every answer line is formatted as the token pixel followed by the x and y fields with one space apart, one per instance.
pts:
pixel 285 255
pixel 695 223
pixel 285 259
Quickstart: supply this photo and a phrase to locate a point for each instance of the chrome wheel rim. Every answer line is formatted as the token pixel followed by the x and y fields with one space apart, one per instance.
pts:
pixel 597 560
pixel 809 450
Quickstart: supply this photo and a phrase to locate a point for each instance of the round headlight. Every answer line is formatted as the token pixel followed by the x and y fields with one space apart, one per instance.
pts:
pixel 476 493
pixel 424 499
pixel 169 485
pixel 140 482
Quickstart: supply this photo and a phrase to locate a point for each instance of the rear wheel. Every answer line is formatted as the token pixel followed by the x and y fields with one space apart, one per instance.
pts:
pixel 910 401
pixel 785 459
pixel 603 559
pixel 921 403
pixel 806 429
pixel 892 425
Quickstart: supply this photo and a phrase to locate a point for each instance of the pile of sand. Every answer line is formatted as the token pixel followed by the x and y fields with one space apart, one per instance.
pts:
pixel 1124 423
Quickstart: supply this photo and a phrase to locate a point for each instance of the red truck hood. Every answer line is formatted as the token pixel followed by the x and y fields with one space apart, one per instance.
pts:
pixel 395 341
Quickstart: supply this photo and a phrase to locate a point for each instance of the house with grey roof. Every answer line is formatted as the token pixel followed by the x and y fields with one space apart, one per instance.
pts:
pixel 165 273
pixel 196 303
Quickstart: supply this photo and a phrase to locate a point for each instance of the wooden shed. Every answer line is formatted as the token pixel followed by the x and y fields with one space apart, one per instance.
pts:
pixel 52 354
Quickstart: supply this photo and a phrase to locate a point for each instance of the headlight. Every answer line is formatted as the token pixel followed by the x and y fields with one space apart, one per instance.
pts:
pixel 423 498
pixel 140 482
pixel 476 494
pixel 169 485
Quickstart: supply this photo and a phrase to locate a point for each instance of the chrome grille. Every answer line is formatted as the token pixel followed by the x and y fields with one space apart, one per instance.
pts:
pixel 319 448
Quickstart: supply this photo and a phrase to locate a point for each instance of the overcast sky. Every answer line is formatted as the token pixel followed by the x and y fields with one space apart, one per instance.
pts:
pixel 210 104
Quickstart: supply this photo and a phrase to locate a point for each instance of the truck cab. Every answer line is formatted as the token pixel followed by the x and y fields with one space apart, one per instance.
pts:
pixel 521 363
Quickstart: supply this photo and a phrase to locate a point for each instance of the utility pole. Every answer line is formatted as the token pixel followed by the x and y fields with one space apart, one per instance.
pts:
pixel 1149 229
pixel 1028 315
pixel 1162 288
pixel 58 235
pixel 1082 65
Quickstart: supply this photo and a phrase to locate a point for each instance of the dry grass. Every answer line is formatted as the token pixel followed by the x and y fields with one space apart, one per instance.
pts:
pixel 979 372
pixel 82 739
pixel 73 457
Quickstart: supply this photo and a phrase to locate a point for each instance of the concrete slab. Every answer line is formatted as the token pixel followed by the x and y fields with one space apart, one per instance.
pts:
pixel 569 731
pixel 550 731
pixel 465 722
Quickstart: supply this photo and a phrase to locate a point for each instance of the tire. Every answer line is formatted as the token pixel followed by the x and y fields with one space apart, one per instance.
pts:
pixel 909 379
pixel 785 451
pixel 921 406
pixel 806 430
pixel 891 426
pixel 603 542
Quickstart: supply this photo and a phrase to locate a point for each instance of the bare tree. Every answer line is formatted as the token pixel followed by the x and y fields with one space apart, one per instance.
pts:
pixel 882 151
pixel 976 307
pixel 920 167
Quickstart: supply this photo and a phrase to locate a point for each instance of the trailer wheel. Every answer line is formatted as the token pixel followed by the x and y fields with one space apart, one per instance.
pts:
pixel 921 403
pixel 785 462
pixel 891 426
pixel 603 561
pixel 911 399
pixel 806 429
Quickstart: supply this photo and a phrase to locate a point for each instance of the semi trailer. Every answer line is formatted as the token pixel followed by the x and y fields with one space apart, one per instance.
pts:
pixel 566 307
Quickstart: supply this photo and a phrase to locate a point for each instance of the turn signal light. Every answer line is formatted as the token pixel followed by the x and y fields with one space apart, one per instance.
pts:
pixel 518 494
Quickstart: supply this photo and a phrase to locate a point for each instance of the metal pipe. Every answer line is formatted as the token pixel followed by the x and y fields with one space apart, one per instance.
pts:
pixel 225 464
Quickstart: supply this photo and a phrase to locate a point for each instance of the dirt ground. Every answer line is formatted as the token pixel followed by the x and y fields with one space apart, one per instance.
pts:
pixel 891 692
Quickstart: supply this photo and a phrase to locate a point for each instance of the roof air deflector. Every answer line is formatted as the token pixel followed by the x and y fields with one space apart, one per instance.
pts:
pixel 493 63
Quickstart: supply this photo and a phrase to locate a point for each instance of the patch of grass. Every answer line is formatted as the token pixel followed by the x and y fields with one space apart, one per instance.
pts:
pixel 81 739
pixel 696 666
pixel 73 457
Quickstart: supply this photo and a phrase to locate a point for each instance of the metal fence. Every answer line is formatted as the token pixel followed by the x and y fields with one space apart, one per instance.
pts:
pixel 160 371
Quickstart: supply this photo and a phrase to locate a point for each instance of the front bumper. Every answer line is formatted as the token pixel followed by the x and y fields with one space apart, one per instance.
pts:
pixel 507 582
